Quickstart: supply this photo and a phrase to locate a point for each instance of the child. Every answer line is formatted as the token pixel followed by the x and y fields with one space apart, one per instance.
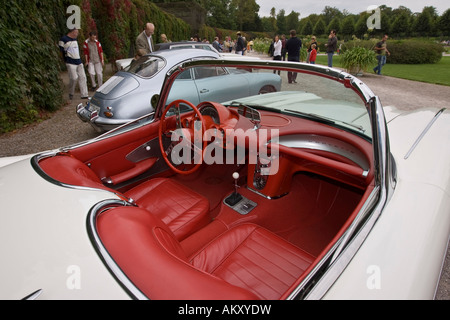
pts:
pixel 313 55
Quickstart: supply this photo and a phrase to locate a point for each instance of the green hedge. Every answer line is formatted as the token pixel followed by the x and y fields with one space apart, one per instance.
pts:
pixel 403 51
pixel 29 68
pixel 119 22
pixel 414 52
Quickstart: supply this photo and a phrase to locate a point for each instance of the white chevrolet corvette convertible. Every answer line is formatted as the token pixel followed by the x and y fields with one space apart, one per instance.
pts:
pixel 314 191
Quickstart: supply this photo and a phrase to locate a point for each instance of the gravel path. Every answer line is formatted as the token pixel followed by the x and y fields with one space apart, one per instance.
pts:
pixel 64 128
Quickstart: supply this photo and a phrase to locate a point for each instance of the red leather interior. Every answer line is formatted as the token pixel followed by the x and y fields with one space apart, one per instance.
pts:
pixel 181 209
pixel 253 258
pixel 245 262
pixel 69 170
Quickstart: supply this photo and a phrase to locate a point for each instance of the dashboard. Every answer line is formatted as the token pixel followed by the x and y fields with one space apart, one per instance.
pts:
pixel 298 145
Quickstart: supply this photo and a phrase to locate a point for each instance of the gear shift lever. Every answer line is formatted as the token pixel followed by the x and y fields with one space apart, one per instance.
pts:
pixel 235 197
pixel 236 177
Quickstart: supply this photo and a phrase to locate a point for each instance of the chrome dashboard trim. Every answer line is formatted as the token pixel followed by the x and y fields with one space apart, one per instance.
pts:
pixel 322 143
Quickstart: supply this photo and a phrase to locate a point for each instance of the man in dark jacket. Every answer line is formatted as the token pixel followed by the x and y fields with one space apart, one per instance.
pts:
pixel 293 46
pixel 240 44
pixel 331 47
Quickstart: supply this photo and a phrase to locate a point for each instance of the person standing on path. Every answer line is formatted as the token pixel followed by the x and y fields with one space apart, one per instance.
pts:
pixel 145 38
pixel 240 44
pixel 313 54
pixel 381 49
pixel 70 51
pixel 93 53
pixel 331 47
pixel 277 47
pixel 293 46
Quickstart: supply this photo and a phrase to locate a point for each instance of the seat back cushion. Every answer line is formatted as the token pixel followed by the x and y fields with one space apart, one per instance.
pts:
pixel 255 259
pixel 179 207
pixel 148 253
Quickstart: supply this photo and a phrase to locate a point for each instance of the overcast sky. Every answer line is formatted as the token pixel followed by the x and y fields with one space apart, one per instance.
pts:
pixel 316 6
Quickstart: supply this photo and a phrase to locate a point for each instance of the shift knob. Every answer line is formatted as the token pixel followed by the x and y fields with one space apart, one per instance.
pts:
pixel 235 197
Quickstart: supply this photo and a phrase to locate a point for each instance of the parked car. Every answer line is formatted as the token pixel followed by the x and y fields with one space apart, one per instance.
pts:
pixel 122 64
pixel 128 95
pixel 312 192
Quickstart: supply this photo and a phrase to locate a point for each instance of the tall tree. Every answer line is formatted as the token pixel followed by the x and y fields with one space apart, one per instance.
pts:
pixel 444 23
pixel 401 25
pixel 320 28
pixel 292 21
pixel 217 13
pixel 423 23
pixel 335 24
pixel 281 21
pixel 307 28
pixel 348 27
pixel 245 11
pixel 330 13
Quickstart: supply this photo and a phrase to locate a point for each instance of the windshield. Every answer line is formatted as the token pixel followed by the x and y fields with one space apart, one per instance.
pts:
pixel 146 66
pixel 312 95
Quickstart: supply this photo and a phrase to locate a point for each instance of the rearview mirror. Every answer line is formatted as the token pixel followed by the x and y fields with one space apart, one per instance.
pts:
pixel 154 101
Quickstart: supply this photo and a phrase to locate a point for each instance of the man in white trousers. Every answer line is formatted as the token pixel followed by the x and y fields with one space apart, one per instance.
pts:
pixel 68 45
pixel 93 53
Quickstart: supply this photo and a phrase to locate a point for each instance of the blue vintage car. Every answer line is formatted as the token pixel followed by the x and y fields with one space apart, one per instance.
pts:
pixel 133 92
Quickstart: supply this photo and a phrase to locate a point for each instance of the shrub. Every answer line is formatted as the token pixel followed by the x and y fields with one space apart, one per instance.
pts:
pixel 29 62
pixel 358 59
pixel 414 52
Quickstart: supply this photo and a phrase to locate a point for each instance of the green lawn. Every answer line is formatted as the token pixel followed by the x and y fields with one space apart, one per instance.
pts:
pixel 438 73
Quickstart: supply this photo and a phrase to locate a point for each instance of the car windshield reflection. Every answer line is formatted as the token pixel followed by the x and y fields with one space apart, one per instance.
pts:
pixel 146 66
pixel 318 98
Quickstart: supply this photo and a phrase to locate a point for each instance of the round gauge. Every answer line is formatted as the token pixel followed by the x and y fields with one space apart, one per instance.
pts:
pixel 259 182
pixel 209 110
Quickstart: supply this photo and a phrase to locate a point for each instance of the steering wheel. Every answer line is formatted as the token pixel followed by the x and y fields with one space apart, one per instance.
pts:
pixel 183 138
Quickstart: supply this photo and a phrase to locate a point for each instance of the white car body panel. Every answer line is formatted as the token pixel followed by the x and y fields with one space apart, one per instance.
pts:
pixel 391 262
pixel 58 259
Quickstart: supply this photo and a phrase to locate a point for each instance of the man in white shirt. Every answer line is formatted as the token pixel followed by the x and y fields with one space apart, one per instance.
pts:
pixel 144 40
pixel 277 46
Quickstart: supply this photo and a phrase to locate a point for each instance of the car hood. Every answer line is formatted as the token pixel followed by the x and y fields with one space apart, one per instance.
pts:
pixel 117 86
pixel 45 244
pixel 350 114
pixel 416 144
pixel 406 247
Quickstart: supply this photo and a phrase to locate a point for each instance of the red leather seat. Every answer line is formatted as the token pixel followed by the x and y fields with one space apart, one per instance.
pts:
pixel 245 262
pixel 181 209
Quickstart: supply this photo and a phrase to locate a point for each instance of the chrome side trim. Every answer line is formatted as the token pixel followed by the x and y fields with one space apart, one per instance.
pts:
pixel 424 132
pixel 109 262
pixel 34 295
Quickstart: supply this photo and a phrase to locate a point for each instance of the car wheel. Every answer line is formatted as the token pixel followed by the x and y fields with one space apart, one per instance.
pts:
pixel 267 89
